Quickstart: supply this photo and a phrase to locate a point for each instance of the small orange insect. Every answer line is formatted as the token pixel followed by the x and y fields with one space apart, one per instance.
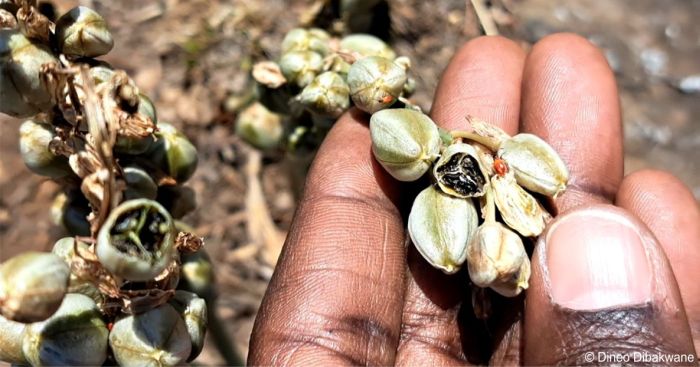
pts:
pixel 500 166
pixel 387 99
pixel 110 325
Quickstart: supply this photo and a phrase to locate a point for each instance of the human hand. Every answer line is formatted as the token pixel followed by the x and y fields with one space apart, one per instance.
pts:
pixel 602 280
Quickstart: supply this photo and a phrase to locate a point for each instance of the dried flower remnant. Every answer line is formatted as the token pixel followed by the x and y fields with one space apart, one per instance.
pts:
pixel 519 209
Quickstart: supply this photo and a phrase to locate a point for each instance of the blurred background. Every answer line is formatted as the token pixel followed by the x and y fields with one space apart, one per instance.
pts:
pixel 194 58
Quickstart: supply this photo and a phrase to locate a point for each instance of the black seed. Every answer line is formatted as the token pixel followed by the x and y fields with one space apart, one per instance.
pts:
pixel 462 174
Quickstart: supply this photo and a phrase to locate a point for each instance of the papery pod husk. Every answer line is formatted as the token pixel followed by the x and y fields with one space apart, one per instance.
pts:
pixel 495 257
pixel 197 274
pixel 366 45
pixel 491 132
pixel 70 210
pixel 327 95
pixel 22 91
pixel 82 32
pixel 65 249
pixel 459 171
pixel 136 145
pixel 404 142
pixel 34 139
pixel 375 83
pixel 32 286
pixel 121 255
pixel 260 127
pixel 155 338
pixel 299 39
pixel 173 153
pixel 441 226
pixel 74 336
pixel 518 208
pixel 301 67
pixel 139 185
pixel 193 311
pixel 11 335
pixel 536 165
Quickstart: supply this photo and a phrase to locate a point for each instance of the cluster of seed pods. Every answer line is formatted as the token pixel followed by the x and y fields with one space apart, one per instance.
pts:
pixel 123 289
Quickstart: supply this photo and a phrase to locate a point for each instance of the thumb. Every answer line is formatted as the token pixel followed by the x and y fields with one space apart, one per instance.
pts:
pixel 603 292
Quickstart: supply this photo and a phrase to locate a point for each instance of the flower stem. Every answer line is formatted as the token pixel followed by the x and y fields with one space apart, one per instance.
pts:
pixel 488 142
pixel 490 208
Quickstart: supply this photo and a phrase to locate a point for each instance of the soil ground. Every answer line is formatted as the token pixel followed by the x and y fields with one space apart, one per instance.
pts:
pixel 193 58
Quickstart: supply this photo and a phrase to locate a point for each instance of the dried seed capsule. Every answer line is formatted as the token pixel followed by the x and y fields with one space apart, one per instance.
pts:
pixel 367 45
pixel 65 249
pixel 83 33
pixel 155 338
pixel 136 241
pixel 32 286
pixel 197 274
pixel 259 127
pixel 11 335
pixel 70 211
pixel 405 142
pixel 520 210
pixel 139 185
pixel 327 95
pixel 299 39
pixel 375 83
pixel 459 171
pixel 441 227
pixel 34 139
pixel 495 257
pixel 536 165
pixel 301 67
pixel 193 311
pixel 22 91
pixel 74 336
pixel 173 153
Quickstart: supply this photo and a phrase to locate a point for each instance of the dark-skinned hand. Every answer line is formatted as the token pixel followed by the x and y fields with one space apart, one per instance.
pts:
pixel 349 287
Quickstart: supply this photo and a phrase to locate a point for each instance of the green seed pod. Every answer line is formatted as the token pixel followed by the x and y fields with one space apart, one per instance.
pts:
pixel 32 286
pixel 137 145
pixel 155 338
pixel 136 241
pixel 74 336
pixel 259 127
pixel 536 165
pixel 83 33
pixel 147 108
pixel 193 310
pixel 459 172
pixel 176 155
pixel 409 88
pixel 327 95
pixel 301 67
pixel 34 139
pixel 299 39
pixel 101 72
pixel 71 211
pixel 520 210
pixel 197 274
pixel 177 200
pixel 367 45
pixel 495 257
pixel 441 227
pixel 22 92
pixel 139 185
pixel 375 83
pixel 405 142
pixel 11 335
pixel 65 249
pixel 338 65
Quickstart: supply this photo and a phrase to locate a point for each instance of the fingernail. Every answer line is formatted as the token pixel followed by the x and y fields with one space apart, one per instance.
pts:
pixel 596 259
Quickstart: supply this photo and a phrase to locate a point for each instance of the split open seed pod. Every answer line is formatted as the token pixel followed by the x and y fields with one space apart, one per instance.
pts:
pixel 22 91
pixel 193 311
pixel 404 142
pixel 74 336
pixel 518 208
pixel 34 139
pixel 536 165
pixel 299 39
pixel 260 127
pixel 82 32
pixel 32 286
pixel 139 185
pixel 495 257
pixel 459 171
pixel 441 226
pixel 366 45
pixel 301 67
pixel 327 95
pixel 11 335
pixel 154 338
pixel 173 153
pixel 375 83
pixel 136 241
